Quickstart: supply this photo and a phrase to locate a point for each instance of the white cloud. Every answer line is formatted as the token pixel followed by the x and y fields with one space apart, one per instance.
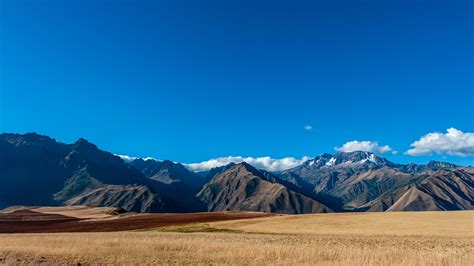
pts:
pixel 127 158
pixel 453 142
pixel 266 163
pixel 370 146
pixel 308 127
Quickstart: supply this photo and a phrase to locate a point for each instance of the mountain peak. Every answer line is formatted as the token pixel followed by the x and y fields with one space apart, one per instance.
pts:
pixel 360 154
pixel 27 138
pixel 247 167
pixel 245 188
pixel 244 165
pixel 345 158
pixel 360 157
pixel 435 165
pixel 82 141
pixel 167 162
pixel 84 144
pixel 318 161
pixel 155 166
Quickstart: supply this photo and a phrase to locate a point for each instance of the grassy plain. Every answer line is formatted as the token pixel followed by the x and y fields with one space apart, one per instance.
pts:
pixel 422 238
pixel 454 223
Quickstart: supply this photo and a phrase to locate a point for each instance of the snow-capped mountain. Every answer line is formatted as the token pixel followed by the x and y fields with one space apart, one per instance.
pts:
pixel 345 159
pixel 356 178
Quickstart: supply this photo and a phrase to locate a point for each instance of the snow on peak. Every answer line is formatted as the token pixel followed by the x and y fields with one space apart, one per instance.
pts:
pixel 331 162
pixel 372 158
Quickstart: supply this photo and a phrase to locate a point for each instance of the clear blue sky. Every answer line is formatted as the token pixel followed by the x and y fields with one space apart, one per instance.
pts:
pixel 194 80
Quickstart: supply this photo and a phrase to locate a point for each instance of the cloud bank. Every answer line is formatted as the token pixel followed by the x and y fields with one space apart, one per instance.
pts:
pixel 453 142
pixel 266 163
pixel 370 146
pixel 127 158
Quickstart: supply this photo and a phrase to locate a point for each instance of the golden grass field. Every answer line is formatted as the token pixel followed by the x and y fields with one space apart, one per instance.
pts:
pixel 403 238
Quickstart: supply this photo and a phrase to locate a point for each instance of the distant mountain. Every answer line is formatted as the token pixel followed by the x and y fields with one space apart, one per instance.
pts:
pixel 37 170
pixel 210 174
pixel 435 165
pixel 443 190
pixel 431 166
pixel 353 177
pixel 168 172
pixel 358 178
pixel 244 188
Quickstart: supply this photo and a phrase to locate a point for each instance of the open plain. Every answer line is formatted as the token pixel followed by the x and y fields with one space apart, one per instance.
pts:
pixel 399 238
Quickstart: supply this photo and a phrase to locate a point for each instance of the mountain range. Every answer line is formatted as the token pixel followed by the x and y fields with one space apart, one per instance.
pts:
pixel 362 181
pixel 38 170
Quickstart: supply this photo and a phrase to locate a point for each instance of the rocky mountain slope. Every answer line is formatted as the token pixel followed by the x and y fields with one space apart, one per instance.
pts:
pixel 168 172
pixel 442 190
pixel 245 188
pixel 37 170
pixel 363 181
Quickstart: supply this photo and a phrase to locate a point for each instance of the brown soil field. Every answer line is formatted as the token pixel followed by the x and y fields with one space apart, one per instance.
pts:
pixel 32 221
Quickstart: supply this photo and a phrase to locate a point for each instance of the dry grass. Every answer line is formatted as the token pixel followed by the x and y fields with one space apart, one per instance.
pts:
pixel 340 244
pixel 77 211
pixel 81 212
pixel 455 223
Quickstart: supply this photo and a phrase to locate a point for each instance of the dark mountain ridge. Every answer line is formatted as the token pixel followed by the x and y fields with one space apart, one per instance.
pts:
pixel 38 170
pixel 169 172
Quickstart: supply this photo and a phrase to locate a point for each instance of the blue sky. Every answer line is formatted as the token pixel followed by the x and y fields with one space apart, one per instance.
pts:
pixel 195 80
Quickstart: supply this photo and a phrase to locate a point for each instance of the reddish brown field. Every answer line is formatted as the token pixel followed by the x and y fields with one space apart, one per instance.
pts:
pixel 29 221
